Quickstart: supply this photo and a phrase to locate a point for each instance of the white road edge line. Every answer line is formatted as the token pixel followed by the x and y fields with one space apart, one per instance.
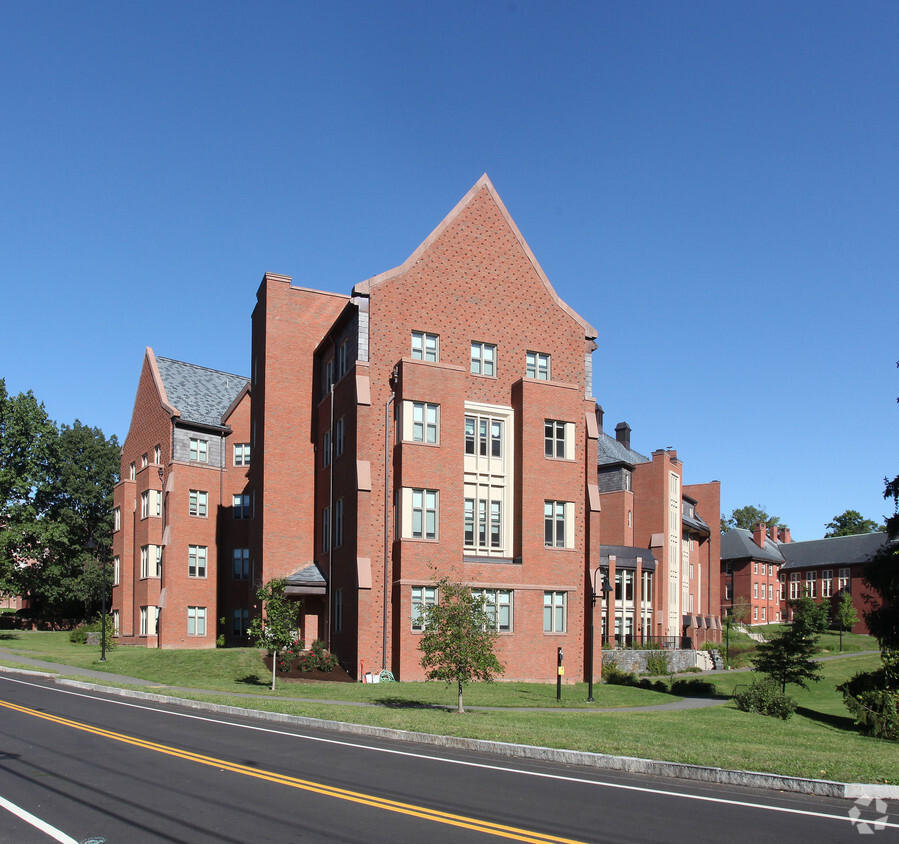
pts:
pixel 52 831
pixel 502 768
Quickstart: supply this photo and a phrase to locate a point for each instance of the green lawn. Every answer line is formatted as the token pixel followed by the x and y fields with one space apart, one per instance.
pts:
pixel 819 741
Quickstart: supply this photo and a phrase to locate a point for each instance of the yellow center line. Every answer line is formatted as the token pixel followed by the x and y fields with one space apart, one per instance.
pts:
pixel 308 785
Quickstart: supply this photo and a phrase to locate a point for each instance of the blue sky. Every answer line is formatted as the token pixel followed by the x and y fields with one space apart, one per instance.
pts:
pixel 712 185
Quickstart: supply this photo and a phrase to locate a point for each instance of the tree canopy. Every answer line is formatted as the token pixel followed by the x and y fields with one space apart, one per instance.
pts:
pixel 56 486
pixel 787 657
pixel 749 516
pixel 850 523
pixel 459 637
pixel 278 627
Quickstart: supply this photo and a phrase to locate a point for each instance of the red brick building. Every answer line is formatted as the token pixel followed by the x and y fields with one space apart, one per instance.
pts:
pixel 751 562
pixel 659 551
pixel 182 509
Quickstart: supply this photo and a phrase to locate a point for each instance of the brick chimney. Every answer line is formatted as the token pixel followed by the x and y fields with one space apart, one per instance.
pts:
pixel 758 534
pixel 786 535
pixel 773 533
pixel 623 434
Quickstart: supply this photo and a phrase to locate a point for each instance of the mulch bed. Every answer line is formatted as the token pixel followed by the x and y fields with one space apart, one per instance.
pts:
pixel 338 675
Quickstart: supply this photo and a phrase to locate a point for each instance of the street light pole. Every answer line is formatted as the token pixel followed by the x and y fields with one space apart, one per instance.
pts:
pixel 92 546
pixel 606 588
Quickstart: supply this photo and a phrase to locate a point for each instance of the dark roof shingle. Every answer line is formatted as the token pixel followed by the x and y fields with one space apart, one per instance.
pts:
pixel 200 395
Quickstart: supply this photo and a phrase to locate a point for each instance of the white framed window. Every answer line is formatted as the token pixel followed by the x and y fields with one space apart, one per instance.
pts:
pixel 554 612
pixel 483 524
pixel 727 592
pixel 770 591
pixel 196 621
pixel 422 596
pixel 755 613
pixel 115 622
pixel 558 439
pixel 328 376
pixel 794 585
pixel 132 471
pixel 116 518
pixel 425 419
pixel 196 560
pixel 424 513
pixel 341 436
pixel 498 603
pixel 198 502
pixel 537 365
pixel 755 590
pixel 240 559
pixel 144 461
pixel 157 454
pixel 338 523
pixel 240 505
pixel 483 359
pixel 755 567
pixel 558 524
pixel 326 448
pixel 116 570
pixel 326 530
pixel 827 583
pixel 338 610
pixel 484 436
pixel 343 357
pixel 240 622
pixel 811 584
pixel 691 568
pixel 763 611
pixel 425 346
pixel 199 450
pixel 241 454
pixel 150 561
pixel 843 579
pixel 148 618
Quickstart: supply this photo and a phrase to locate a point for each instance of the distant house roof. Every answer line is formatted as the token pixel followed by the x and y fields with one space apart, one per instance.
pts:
pixel 199 394
pixel 835 550
pixel 626 557
pixel 738 544
pixel 611 451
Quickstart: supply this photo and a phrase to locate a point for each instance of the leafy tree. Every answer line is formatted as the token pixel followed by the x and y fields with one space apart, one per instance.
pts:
pixel 850 523
pixel 747 517
pixel 459 637
pixel 809 616
pixel 277 628
pixel 845 616
pixel 740 610
pixel 787 658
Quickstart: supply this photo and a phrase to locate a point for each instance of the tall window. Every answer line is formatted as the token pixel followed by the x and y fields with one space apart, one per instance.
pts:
pixel 558 439
pixel 843 579
pixel 150 561
pixel 115 622
pixel 483 359
pixel 240 504
pixel 338 610
pixel 157 454
pixel 343 357
pixel 196 621
pixel 483 436
pixel 424 513
pixel 424 422
pixel 240 621
pixel 199 450
pixel 241 454
pixel 537 365
pixel 554 612
pixel 150 503
pixel 422 596
pixel 326 530
pixel 483 524
pixel 811 584
pixel 794 585
pixel 148 616
pixel 338 523
pixel 196 560
pixel 341 436
pixel 326 448
pixel 144 461
pixel 557 524
pixel 241 563
pixel 132 471
pixel 827 583
pixel 117 518
pixel 116 570
pixel 328 375
pixel 198 501
pixel 425 346
pixel 498 603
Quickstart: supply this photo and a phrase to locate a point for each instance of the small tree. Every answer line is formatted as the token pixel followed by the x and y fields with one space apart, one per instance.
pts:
pixel 740 610
pixel 459 637
pixel 787 658
pixel 809 617
pixel 845 615
pixel 276 629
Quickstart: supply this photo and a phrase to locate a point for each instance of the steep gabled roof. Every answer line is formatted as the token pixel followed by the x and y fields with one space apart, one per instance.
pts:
pixel 835 550
pixel 611 451
pixel 738 544
pixel 199 394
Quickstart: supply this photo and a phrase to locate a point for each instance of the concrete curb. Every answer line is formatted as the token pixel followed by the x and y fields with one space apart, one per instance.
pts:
pixel 629 764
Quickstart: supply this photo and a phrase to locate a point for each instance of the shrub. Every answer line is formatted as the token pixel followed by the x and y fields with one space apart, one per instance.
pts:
pixel 615 676
pixel 693 688
pixel 78 636
pixel 873 700
pixel 763 696
pixel 657 663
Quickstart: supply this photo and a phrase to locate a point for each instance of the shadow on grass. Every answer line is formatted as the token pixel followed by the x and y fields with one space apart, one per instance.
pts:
pixel 838 722
pixel 400 703
pixel 4 635
pixel 253 680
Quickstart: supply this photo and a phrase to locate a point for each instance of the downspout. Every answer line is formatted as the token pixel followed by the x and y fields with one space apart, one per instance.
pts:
pixel 386 521
pixel 330 525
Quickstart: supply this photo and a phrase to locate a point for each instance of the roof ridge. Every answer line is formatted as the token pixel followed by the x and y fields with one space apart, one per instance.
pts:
pixel 204 368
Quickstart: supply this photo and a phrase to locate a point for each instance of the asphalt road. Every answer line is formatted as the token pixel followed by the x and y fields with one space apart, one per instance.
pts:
pixel 104 769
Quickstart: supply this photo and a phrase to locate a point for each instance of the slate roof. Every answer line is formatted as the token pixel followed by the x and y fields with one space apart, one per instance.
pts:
pixel 626 557
pixel 611 451
pixel 201 395
pixel 835 550
pixel 738 544
pixel 309 576
pixel 696 522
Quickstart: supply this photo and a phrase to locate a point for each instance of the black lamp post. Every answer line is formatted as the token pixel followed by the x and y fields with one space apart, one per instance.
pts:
pixel 92 546
pixel 606 588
